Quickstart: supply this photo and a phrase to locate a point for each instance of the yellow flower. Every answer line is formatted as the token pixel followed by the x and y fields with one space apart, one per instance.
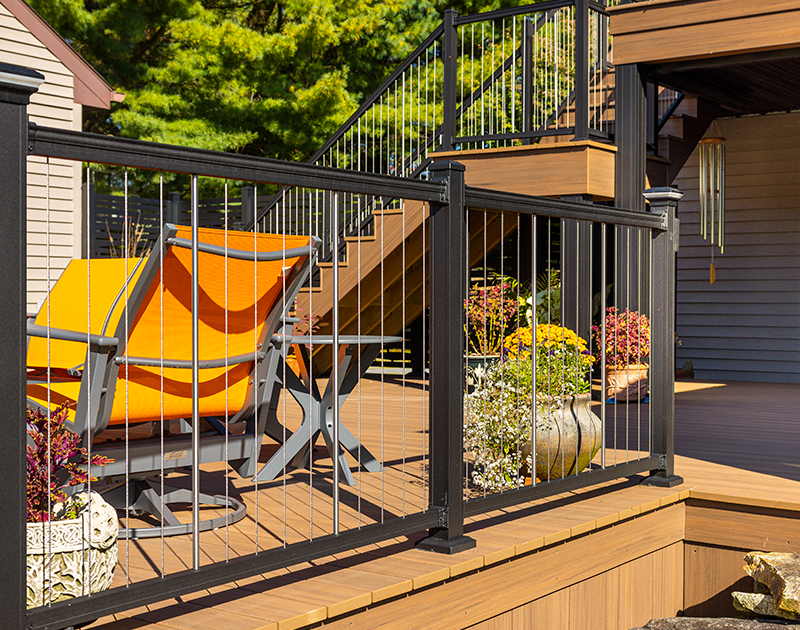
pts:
pixel 547 336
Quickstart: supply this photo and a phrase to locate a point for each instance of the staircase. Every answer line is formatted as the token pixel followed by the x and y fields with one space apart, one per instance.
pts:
pixel 382 273
pixel 682 131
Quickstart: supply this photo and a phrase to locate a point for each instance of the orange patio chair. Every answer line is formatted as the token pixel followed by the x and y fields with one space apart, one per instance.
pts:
pixel 132 370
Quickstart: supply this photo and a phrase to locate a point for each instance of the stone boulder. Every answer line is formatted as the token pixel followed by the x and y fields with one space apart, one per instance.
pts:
pixel 780 573
pixel 761 605
pixel 702 623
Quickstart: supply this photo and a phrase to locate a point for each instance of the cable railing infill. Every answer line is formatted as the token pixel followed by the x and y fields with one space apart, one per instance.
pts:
pixel 546 67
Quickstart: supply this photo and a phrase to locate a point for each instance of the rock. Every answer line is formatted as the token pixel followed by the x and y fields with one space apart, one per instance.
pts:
pixel 780 572
pixel 702 623
pixel 761 605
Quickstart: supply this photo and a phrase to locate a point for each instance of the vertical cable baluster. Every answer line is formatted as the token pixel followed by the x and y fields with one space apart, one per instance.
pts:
pixel 517 455
pixel 383 389
pixel 49 554
pixel 603 281
pixel 534 349
pixel 195 377
pixel 513 72
pixel 127 370
pixel 161 354
pixel 423 432
pixel 640 308
pixel 403 349
pixel 358 367
pixel 615 353
pixel 627 338
pixel 284 350
pixel 468 328
pixel 256 441
pixel 86 569
pixel 227 353
pixel 335 362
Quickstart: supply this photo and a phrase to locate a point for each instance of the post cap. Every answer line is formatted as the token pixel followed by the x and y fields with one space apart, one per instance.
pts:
pixel 663 194
pixel 19 80
pixel 447 165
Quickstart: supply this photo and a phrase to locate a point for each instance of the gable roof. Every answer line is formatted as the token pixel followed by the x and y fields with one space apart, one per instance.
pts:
pixel 91 89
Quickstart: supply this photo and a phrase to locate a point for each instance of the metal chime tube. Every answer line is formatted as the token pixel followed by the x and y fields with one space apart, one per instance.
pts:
pixel 721 195
pixel 712 194
pixel 702 190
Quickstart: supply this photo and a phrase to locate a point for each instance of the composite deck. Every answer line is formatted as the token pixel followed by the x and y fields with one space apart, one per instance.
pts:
pixel 735 443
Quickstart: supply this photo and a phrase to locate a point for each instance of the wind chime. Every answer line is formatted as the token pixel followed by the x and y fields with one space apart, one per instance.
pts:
pixel 712 195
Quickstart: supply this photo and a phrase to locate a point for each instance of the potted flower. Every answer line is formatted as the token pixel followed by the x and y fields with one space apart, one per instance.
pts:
pixel 501 415
pixel 490 310
pixel 627 343
pixel 71 540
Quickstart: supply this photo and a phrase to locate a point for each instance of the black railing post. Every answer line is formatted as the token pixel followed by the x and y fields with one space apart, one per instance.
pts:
pixel 527 77
pixel 651 98
pixel 448 291
pixel 581 69
pixel 174 208
pixel 450 59
pixel 248 205
pixel 664 202
pixel 16 86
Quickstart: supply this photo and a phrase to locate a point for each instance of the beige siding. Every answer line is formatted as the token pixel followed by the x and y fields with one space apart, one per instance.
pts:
pixel 53 106
pixel 746 326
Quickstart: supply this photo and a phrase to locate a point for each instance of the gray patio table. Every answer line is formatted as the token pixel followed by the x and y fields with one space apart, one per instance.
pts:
pixel 318 409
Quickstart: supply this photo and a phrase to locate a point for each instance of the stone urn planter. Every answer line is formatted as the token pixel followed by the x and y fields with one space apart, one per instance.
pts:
pixel 626 383
pixel 568 437
pixel 73 557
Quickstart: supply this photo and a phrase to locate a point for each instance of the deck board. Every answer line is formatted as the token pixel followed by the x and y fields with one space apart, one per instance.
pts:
pixel 736 441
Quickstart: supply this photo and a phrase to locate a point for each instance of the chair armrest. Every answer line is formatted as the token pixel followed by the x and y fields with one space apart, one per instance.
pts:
pixel 183 364
pixel 71 335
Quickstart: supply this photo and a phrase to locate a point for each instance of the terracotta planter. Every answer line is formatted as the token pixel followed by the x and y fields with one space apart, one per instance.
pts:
pixel 66 559
pixel 568 437
pixel 626 383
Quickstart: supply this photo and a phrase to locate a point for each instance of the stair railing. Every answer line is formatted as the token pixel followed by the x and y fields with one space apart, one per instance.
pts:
pixel 497 79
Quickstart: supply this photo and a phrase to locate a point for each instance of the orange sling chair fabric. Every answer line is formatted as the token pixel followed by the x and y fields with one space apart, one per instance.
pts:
pixel 162 325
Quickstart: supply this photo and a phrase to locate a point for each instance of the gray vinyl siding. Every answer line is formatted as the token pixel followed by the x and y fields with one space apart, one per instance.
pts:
pixel 746 326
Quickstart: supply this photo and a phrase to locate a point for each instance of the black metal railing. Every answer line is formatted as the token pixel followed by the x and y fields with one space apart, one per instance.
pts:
pixel 501 78
pixel 445 259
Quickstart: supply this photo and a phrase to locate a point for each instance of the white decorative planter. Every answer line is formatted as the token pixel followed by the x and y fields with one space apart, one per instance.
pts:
pixel 75 557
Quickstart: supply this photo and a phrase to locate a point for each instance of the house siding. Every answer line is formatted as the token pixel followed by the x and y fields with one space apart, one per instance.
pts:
pixel 53 106
pixel 746 326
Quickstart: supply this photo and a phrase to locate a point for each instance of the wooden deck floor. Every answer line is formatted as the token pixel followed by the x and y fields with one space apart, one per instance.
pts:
pixel 734 441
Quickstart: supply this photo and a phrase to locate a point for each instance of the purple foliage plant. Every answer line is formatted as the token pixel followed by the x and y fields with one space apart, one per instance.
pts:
pixel 54 462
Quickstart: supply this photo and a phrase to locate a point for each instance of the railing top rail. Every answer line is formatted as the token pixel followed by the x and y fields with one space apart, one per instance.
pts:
pixel 512 11
pixel 98 149
pixel 528 8
pixel 373 98
pixel 544 206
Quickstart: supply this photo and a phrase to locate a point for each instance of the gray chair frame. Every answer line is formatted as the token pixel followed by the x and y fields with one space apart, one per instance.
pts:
pixel 105 354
